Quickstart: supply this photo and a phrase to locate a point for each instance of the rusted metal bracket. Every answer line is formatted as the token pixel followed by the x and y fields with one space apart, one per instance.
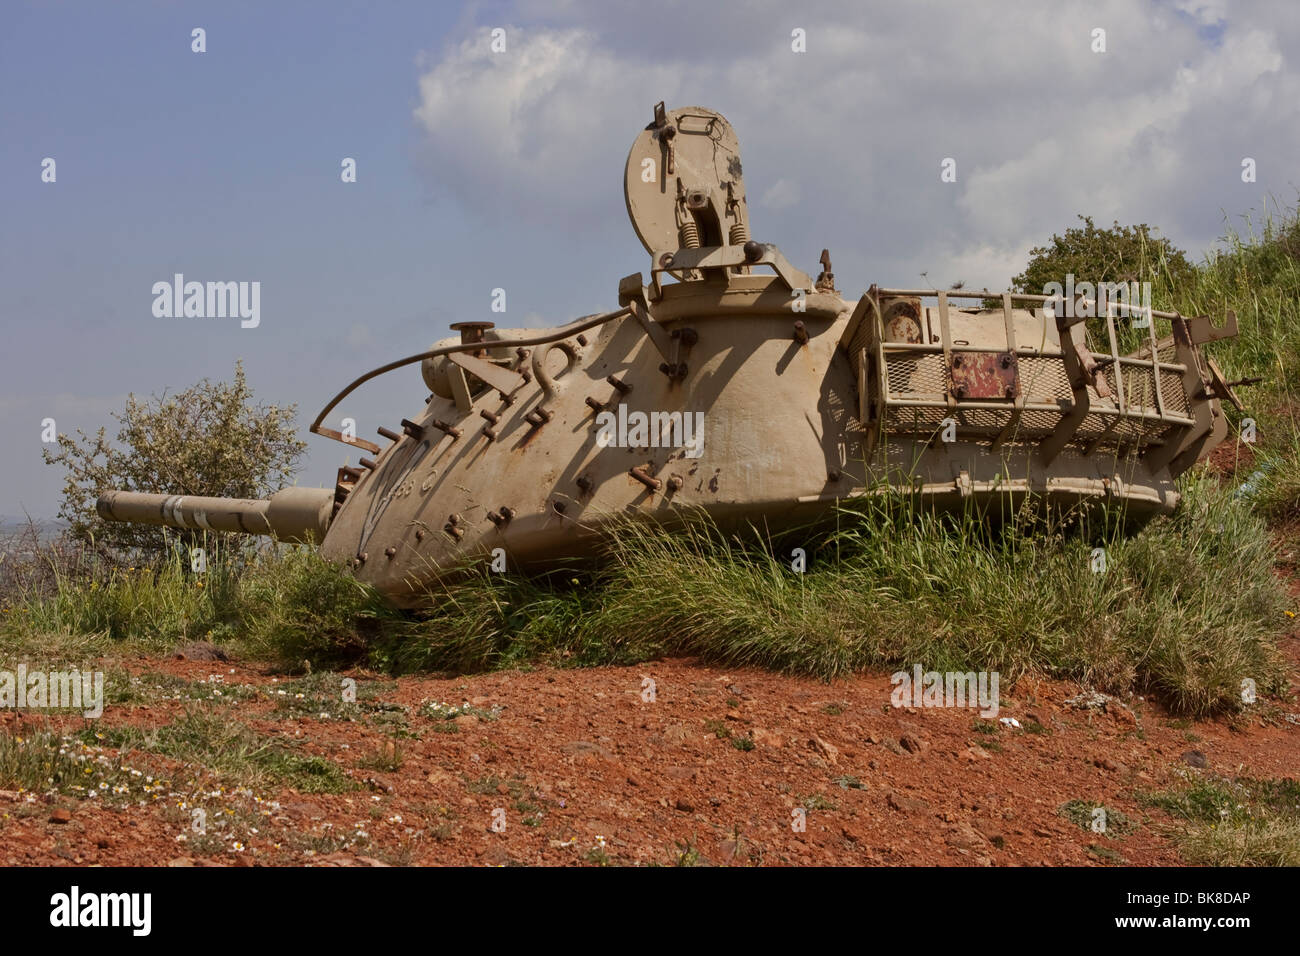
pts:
pixel 1201 330
pixel 1020 395
pixel 460 392
pixel 655 332
pixel 1221 388
pixel 640 473
pixel 1194 382
pixel 345 439
pixel 502 379
pixel 1090 368
pixel 945 337
pixel 1055 443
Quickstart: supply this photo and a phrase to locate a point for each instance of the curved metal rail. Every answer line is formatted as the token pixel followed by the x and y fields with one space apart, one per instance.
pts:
pixel 563 332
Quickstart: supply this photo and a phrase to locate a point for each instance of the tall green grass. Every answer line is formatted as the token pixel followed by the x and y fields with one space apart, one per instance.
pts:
pixel 1186 609
pixel 155 606
pixel 1226 822
pixel 1256 273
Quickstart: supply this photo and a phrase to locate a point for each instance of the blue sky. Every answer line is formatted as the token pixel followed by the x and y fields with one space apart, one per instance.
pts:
pixel 479 170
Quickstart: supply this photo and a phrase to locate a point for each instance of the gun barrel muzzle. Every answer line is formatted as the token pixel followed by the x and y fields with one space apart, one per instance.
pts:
pixel 291 514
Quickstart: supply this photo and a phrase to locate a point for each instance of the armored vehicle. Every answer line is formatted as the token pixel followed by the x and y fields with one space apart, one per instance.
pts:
pixel 728 381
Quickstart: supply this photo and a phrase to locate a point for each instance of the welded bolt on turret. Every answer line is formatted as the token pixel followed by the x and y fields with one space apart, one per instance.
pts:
pixel 639 473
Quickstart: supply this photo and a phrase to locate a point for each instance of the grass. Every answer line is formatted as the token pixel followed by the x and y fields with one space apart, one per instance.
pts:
pixel 45 762
pixel 686 853
pixel 1242 822
pixel 207 738
pixel 1256 273
pixel 483 785
pixel 1187 608
pixel 236 753
pixel 1084 814
pixel 815 801
pixel 388 756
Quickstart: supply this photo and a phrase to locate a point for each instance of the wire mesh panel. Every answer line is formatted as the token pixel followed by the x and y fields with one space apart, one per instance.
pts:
pixel 969 372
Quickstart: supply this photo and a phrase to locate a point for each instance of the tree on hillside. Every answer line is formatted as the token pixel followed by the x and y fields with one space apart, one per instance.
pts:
pixel 210 439
pixel 1117 254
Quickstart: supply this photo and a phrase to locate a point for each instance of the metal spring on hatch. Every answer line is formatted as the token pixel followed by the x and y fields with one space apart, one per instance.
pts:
pixel 688 234
pixel 738 235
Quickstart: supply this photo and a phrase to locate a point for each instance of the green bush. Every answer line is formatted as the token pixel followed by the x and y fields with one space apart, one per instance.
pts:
pixel 1117 254
pixel 209 439
pixel 296 606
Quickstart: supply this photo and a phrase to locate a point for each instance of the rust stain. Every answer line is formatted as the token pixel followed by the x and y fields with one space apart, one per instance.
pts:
pixel 902 320
pixel 984 375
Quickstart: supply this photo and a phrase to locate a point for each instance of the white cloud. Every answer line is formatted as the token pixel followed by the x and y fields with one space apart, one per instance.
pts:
pixel 842 144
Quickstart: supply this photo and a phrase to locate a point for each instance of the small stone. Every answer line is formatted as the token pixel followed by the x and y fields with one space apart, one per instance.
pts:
pixel 200 651
pixel 964 837
pixel 906 804
pixel 992 834
pixel 1121 714
pixel 1196 758
pixel 495 855
pixel 61 816
pixel 911 744
pixel 683 806
pixel 829 751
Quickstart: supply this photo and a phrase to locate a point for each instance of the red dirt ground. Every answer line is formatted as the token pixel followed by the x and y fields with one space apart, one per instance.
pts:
pixel 587 771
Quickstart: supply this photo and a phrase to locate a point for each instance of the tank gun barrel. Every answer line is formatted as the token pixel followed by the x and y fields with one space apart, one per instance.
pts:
pixel 291 514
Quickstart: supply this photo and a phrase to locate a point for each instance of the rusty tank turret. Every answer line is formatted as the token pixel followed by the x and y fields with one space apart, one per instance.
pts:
pixel 732 382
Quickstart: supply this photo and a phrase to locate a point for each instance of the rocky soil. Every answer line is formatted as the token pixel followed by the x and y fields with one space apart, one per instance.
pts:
pixel 705 765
